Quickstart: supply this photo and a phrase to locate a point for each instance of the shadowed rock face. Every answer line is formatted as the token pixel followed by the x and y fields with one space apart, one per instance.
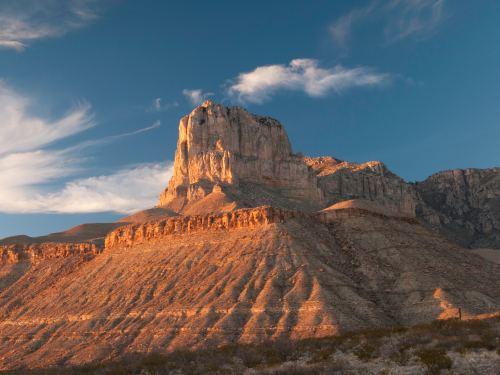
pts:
pixel 462 205
pixel 225 146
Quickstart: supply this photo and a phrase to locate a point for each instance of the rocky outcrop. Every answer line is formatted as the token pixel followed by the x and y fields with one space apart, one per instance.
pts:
pixel 132 235
pixel 462 205
pixel 136 234
pixel 36 252
pixel 218 147
pixel 341 181
pixel 342 211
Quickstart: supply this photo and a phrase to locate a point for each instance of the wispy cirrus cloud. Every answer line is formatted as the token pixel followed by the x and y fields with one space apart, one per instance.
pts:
pixel 418 18
pixel 340 31
pixel 156 106
pixel 32 166
pixel 24 21
pixel 401 19
pixel 21 132
pixel 301 75
pixel 196 97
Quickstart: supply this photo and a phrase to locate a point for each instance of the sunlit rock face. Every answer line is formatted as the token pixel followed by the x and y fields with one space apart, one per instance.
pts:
pixel 342 181
pixel 227 146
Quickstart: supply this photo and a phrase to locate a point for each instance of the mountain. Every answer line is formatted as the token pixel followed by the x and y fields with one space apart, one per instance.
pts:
pixel 250 241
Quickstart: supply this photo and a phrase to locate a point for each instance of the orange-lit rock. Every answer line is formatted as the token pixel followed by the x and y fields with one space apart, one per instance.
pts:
pixel 223 146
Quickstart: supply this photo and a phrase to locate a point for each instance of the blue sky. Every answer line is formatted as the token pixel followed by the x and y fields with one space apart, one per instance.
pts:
pixel 91 92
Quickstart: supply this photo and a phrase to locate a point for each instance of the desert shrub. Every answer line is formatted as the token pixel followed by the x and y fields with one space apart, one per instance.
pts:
pixel 401 356
pixel 367 351
pixel 291 370
pixel 248 355
pixel 269 355
pixel 321 355
pixel 434 360
pixel 285 349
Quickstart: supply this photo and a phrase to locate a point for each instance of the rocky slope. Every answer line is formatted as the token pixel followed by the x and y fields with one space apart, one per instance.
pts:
pixel 236 277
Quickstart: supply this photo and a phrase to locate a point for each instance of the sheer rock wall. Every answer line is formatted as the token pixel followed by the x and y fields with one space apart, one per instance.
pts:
pixel 221 146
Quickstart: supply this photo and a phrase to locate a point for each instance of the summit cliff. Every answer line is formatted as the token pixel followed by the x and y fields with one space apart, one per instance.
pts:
pixel 220 149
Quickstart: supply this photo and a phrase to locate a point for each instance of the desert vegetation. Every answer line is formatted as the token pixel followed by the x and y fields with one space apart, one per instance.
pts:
pixel 440 347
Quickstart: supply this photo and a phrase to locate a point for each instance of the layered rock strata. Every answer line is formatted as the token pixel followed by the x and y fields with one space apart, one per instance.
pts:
pixel 132 235
pixel 135 234
pixel 37 252
pixel 219 147
pixel 341 181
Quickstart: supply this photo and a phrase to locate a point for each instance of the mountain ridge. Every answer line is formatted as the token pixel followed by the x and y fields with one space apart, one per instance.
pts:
pixel 248 245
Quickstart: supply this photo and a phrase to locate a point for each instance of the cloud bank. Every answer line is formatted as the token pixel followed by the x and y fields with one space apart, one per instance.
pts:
pixel 126 191
pixel 32 167
pixel 301 75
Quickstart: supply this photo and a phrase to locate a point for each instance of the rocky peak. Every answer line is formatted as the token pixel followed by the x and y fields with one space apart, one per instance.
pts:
pixel 220 146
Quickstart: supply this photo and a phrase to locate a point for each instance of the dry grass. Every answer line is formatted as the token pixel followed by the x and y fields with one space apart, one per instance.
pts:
pixel 429 345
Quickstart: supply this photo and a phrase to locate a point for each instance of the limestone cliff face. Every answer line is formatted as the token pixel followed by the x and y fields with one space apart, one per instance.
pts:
pixel 225 146
pixel 462 205
pixel 341 181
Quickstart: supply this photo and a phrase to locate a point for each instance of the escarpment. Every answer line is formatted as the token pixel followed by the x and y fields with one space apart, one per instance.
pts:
pixel 245 218
pixel 36 252
pixel 243 276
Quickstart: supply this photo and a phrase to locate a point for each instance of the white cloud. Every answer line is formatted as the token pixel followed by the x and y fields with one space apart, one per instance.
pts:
pixel 402 18
pixel 23 21
pixel 157 107
pixel 31 171
pixel 22 132
pixel 301 75
pixel 14 45
pixel 196 97
pixel 340 31
pixel 412 17
pixel 126 191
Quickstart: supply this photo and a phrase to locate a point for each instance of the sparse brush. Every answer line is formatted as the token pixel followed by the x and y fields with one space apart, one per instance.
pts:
pixel 434 360
pixel 429 343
